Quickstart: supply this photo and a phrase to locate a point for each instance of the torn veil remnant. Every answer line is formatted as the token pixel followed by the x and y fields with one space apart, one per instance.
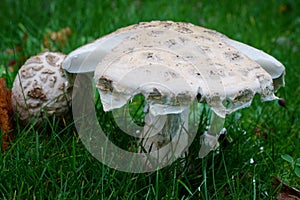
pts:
pixel 172 64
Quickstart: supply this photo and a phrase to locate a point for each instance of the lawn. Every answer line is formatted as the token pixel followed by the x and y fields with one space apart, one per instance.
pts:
pixel 50 161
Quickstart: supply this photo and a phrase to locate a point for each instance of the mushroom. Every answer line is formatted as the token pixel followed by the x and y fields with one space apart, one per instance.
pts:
pixel 174 64
pixel 40 88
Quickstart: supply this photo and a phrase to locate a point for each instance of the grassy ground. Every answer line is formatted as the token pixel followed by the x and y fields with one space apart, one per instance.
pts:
pixel 43 164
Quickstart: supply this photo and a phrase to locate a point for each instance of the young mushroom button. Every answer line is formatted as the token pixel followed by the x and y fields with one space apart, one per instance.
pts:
pixel 40 88
pixel 172 64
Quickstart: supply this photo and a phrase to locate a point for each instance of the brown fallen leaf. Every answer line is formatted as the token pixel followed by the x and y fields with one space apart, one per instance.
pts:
pixel 286 191
pixel 58 38
pixel 16 55
pixel 285 8
pixel 6 112
pixel 261 132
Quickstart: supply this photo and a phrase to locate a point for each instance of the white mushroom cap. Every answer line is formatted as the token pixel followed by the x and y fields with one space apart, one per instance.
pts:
pixel 217 68
pixel 40 88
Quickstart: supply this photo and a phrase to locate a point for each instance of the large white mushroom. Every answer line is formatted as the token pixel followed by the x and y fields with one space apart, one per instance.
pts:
pixel 41 88
pixel 173 64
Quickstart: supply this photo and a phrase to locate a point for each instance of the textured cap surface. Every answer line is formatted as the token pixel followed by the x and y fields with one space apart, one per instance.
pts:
pixel 40 88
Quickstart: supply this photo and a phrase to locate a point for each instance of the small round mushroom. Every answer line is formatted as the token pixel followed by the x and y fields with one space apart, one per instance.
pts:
pixel 40 88
pixel 173 64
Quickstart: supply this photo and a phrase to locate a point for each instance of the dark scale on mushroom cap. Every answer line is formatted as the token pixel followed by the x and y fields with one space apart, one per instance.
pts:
pixel 105 84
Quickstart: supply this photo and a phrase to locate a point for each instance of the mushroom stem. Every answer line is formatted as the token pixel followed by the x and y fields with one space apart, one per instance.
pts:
pixel 209 140
pixel 165 137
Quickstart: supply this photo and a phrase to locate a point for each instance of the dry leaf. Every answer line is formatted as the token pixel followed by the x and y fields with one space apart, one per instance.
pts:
pixel 5 114
pixel 16 55
pixel 286 191
pixel 284 8
pixel 58 38
pixel 259 131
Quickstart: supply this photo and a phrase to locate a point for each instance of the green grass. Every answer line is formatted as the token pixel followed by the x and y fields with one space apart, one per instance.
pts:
pixel 50 162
